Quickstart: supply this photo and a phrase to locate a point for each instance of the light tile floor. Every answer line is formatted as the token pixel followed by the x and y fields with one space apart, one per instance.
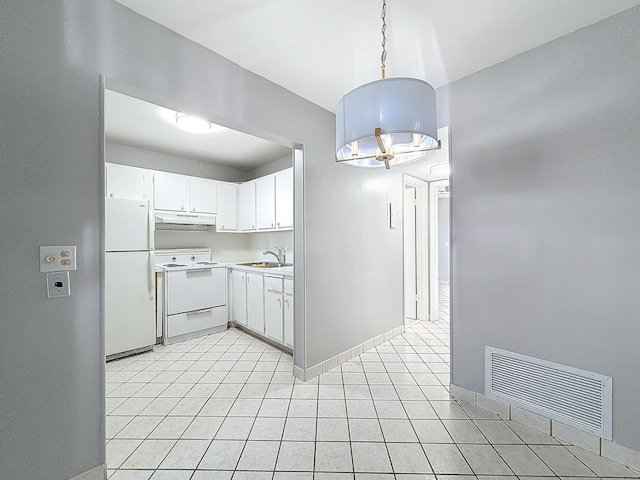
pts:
pixel 226 406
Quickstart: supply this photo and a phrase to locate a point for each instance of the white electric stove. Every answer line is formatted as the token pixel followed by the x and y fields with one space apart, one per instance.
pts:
pixel 191 294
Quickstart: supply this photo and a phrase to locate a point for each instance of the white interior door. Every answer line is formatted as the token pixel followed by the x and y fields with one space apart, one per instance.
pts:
pixel 410 257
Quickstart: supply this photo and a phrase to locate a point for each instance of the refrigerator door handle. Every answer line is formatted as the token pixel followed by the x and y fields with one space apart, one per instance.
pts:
pixel 152 274
pixel 151 225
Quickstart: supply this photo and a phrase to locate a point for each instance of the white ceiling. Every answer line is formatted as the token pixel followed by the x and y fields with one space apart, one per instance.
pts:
pixel 135 122
pixel 322 49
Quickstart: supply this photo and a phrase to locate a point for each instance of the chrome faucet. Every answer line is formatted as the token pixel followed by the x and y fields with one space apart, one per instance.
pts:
pixel 280 256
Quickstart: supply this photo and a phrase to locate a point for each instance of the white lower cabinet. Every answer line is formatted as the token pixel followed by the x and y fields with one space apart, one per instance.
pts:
pixel 288 312
pixel 239 297
pixel 264 304
pixel 255 302
pixel 273 308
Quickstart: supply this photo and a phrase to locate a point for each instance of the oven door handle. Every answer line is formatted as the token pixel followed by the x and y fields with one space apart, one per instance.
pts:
pixel 196 270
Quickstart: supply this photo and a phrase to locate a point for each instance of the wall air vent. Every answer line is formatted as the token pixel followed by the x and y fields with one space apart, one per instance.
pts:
pixel 577 398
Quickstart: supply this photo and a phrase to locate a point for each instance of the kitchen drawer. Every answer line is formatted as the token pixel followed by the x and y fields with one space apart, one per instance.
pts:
pixel 189 290
pixel 272 284
pixel 190 322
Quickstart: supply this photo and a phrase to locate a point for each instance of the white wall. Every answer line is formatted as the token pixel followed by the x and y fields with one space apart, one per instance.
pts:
pixel 271 167
pixel 259 242
pixel 229 247
pixel 165 162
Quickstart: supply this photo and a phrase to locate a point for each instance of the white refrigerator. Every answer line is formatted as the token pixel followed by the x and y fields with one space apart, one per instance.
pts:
pixel 129 276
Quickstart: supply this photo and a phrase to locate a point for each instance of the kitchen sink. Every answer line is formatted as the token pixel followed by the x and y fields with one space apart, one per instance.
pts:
pixel 265 264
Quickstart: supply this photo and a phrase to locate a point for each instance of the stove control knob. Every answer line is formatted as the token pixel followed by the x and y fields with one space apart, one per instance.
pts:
pixel 193 258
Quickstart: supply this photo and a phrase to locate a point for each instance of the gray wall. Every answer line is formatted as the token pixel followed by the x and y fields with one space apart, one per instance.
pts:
pixel 271 167
pixel 546 207
pixel 51 351
pixel 443 239
pixel 165 162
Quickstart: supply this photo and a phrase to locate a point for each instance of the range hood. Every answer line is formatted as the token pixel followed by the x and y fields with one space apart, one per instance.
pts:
pixel 175 218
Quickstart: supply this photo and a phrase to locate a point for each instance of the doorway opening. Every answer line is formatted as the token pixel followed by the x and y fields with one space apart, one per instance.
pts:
pixel 426 250
pixel 440 230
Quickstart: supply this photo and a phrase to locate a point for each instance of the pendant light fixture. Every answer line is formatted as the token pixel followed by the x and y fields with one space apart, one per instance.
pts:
pixel 388 121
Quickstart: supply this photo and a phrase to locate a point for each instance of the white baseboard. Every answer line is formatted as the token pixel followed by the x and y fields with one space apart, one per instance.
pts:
pixel 96 473
pixel 333 362
pixel 587 441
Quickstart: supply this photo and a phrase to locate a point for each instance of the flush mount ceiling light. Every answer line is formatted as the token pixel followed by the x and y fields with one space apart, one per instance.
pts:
pixel 388 121
pixel 440 169
pixel 192 124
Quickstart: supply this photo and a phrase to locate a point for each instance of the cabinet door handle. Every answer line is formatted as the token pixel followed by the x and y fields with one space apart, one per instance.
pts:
pixel 204 310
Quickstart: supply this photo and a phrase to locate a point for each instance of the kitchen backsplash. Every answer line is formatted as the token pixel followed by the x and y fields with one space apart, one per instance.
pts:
pixel 229 247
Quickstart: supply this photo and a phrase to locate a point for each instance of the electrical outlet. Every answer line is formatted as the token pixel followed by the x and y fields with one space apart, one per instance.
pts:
pixel 58 284
pixel 57 258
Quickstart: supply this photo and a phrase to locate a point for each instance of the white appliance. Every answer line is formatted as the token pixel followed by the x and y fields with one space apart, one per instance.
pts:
pixel 192 294
pixel 129 277
pixel 175 218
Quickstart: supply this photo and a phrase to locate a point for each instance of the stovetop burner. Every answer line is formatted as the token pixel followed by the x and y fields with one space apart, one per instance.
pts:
pixel 173 265
pixel 206 263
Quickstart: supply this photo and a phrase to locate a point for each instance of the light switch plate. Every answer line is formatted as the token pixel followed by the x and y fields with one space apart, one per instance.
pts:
pixel 57 258
pixel 58 284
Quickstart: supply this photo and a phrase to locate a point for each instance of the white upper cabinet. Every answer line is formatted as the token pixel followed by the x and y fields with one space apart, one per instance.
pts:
pixel 123 181
pixel 266 202
pixel 263 204
pixel 203 195
pixel 247 206
pixel 181 193
pixel 227 207
pixel 284 199
pixel 171 192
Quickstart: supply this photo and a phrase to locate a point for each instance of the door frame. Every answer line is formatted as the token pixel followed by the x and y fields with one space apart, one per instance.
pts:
pixel 422 251
pixel 434 291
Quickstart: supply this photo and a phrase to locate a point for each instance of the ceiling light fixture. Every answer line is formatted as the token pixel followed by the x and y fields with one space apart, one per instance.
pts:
pixel 388 121
pixel 192 124
pixel 440 169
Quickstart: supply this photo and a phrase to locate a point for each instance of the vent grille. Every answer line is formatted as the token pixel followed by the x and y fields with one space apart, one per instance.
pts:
pixel 568 395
